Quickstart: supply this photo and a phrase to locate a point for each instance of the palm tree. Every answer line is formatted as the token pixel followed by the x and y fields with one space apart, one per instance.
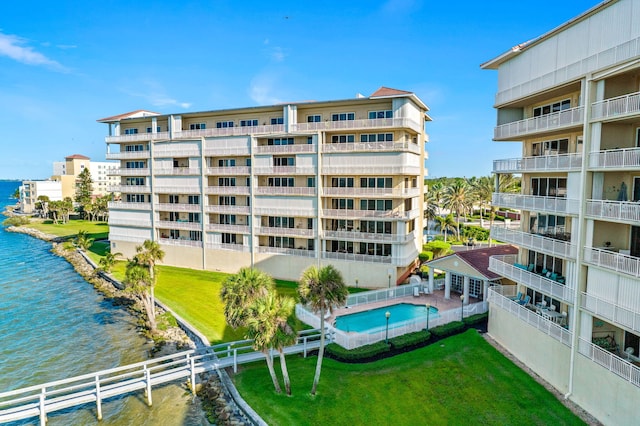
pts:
pixel 457 199
pixel 239 292
pixel 148 255
pixel 322 289
pixel 447 223
pixel 108 261
pixel 82 240
pixel 138 282
pixel 483 189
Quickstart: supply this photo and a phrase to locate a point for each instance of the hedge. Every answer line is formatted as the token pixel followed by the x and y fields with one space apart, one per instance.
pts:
pixel 372 351
pixel 410 340
pixel 476 319
pixel 448 329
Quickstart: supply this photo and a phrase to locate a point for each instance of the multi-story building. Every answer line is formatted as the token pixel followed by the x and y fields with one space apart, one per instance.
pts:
pixel 30 190
pixel 279 187
pixel 571 97
pixel 101 174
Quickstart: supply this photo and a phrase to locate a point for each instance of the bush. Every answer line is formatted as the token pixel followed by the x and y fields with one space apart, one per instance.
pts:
pixel 425 256
pixel 475 232
pixel 411 340
pixel 448 329
pixel 476 319
pixel 16 221
pixel 368 352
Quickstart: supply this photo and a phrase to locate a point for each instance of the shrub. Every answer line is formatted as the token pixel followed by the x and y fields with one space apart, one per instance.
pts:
pixel 425 256
pixel 475 232
pixel 476 319
pixel 448 329
pixel 362 353
pixel 16 221
pixel 411 340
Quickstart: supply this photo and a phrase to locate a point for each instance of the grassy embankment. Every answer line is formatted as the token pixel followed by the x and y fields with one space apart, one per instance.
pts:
pixel 461 380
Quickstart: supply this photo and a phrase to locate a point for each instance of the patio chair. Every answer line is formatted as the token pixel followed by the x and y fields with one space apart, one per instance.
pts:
pixel 416 292
pixel 525 301
pixel 517 297
pixel 553 276
pixel 531 267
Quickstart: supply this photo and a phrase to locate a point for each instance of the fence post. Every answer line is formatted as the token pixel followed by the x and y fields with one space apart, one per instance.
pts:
pixel 235 360
pixel 98 398
pixel 43 413
pixel 147 374
pixel 192 364
pixel 304 346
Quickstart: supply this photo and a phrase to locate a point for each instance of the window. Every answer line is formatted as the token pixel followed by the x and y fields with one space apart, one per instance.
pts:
pixel 309 140
pixel 227 181
pixel 135 165
pixel 280 222
pixel 227 201
pixel 554 107
pixel 174 199
pixel 342 246
pixel 547 224
pixel 377 137
pixel 549 187
pixel 227 219
pixel 174 216
pixel 280 141
pixel 194 199
pixel 314 118
pixel 311 182
pixel 194 217
pixel 374 227
pixel 278 120
pixel 137 181
pixel 284 242
pixel 195 235
pixel 130 131
pixel 284 161
pixel 544 261
pixel 224 124
pixel 342 203
pixel 248 123
pixel 149 129
pixel 380 114
pixel 376 182
pixel 135 198
pixel 342 182
pixel 343 138
pixel 380 205
pixel 197 126
pixel 554 147
pixel 343 116
pixel 375 249
pixel 227 162
pixel 231 239
pixel 285 181
pixel 135 148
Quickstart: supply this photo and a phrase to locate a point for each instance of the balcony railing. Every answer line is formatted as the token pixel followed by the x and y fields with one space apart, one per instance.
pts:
pixel 178 207
pixel 366 236
pixel 372 192
pixel 229 131
pixel 547 327
pixel 221 151
pixel 173 224
pixel 129 172
pixel 611 362
pixel 558 120
pixel 177 171
pixel 121 205
pixel 378 123
pixel 287 251
pixel 285 211
pixel 127 155
pixel 378 214
pixel 293 232
pixel 504 266
pixel 626 158
pixel 227 209
pixel 547 245
pixel 284 149
pixel 561 162
pixel 160 189
pixel 130 223
pixel 224 246
pixel 616 107
pixel 611 311
pixel 190 151
pixel 130 189
pixel 180 242
pixel 284 190
pixel 234 229
pixel 356 257
pixel 241 190
pixel 285 170
pixel 229 171
pixel 371 147
pixel 611 260
pixel 622 211
pixel 136 137
pixel 536 203
pixel 371 169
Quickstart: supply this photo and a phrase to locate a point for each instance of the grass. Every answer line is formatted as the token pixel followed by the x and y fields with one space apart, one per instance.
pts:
pixel 96 230
pixel 458 381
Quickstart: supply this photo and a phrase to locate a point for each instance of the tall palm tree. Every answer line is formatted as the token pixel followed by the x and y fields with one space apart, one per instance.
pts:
pixel 148 255
pixel 239 292
pixel 323 289
pixel 108 261
pixel 82 240
pixel 447 223
pixel 137 282
pixel 483 190
pixel 457 198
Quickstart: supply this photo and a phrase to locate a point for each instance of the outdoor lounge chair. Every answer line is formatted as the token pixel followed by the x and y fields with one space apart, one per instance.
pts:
pixel 525 301
pixel 517 297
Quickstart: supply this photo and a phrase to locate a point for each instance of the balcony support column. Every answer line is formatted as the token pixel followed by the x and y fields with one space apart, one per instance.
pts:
pixel 485 292
pixel 431 275
pixel 447 285
pixel 465 290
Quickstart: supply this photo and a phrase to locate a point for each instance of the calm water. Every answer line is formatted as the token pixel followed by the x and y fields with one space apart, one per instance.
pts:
pixel 374 320
pixel 54 325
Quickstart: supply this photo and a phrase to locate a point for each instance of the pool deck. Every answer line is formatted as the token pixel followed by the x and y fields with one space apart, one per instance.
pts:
pixel 435 299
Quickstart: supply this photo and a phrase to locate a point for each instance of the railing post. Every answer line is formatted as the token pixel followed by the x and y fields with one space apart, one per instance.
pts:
pixel 304 346
pixel 235 360
pixel 43 413
pixel 192 365
pixel 98 398
pixel 147 374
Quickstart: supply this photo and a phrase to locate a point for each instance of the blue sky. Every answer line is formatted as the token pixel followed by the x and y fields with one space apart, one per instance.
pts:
pixel 65 64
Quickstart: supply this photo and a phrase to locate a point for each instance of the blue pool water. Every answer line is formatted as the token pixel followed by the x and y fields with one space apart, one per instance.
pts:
pixel 374 320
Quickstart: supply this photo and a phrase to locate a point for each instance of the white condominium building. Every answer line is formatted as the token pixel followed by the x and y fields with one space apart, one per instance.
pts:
pixel 279 187
pixel 571 97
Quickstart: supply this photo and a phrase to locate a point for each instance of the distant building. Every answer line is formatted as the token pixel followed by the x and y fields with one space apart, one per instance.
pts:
pixel 102 174
pixel 32 189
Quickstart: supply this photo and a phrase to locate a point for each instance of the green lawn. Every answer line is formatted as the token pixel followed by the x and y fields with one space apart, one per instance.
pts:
pixel 458 381
pixel 96 230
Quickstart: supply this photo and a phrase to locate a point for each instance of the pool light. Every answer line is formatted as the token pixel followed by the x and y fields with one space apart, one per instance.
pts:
pixel 428 306
pixel 461 307
pixel 386 336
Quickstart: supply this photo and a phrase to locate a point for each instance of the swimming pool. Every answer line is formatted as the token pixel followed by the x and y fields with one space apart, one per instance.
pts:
pixel 374 320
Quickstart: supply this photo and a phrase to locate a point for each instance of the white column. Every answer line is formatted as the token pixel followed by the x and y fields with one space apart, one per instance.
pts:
pixel 447 285
pixel 431 274
pixel 485 289
pixel 465 290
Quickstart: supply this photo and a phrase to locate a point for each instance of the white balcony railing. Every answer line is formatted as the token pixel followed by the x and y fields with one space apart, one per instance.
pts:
pixel 611 362
pixel 371 147
pixel 129 172
pixel 180 242
pixel 121 205
pixel 625 158
pixel 558 120
pixel 130 223
pixel 284 149
pixel 611 260
pixel 293 232
pixel 227 209
pixel 126 155
pixel 160 189
pixel 378 214
pixel 536 203
pixel 284 190
pixel 285 170
pixel 234 229
pixel 178 207
pixel 177 171
pixel 378 123
pixel 504 266
pixel 190 151
pixel 287 251
pixel 356 257
pixel 622 211
pixel 229 171
pixel 285 211
pixel 130 189
pixel 224 246
pixel 366 236
pixel 241 190
pixel 136 137
pixel 547 327
pixel 229 131
pixel 616 107
pixel 371 169
pixel 372 192
pixel 547 245
pixel 172 224
pixel 611 311
pixel 561 162
pixel 221 151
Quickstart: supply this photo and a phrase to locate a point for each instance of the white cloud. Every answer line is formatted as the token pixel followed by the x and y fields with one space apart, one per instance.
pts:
pixel 155 94
pixel 263 88
pixel 15 48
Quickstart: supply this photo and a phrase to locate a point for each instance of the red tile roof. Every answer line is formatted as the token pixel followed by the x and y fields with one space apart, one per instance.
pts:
pixel 136 113
pixel 479 258
pixel 387 91
pixel 77 157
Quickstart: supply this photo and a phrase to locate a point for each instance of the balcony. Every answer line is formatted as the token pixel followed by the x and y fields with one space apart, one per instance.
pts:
pixel 229 171
pixel 371 169
pixel 613 261
pixel 285 170
pixel 505 266
pixel 618 108
pixel 223 227
pixel 190 151
pixel 160 189
pixel 617 211
pixel 130 223
pixel 130 189
pixel 225 246
pixel 545 163
pixel 611 311
pixel 177 171
pixel 179 224
pixel 371 237
pixel 611 362
pixel 615 159
pixel 129 172
pixel 127 155
pixel 378 214
pixel 498 296
pixel 363 124
pixel 573 117
pixel 328 148
pixel 137 137
pixel 227 209
pixel 537 203
pixel 287 232
pixel 538 243
pixel 229 131
pixel 178 207
pixel 238 190
pixel 285 190
pixel 372 192
pixel 356 257
pixel 285 149
pixel 222 151
pixel 287 251
pixel 285 211
pixel 180 242
pixel 121 205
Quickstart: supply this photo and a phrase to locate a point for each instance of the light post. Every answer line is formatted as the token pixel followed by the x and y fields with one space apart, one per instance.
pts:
pixel 428 306
pixel 461 307
pixel 356 283
pixel 386 336
pixel 389 275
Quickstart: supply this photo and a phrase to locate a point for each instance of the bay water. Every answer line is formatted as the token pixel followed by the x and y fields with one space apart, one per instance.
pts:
pixel 54 325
